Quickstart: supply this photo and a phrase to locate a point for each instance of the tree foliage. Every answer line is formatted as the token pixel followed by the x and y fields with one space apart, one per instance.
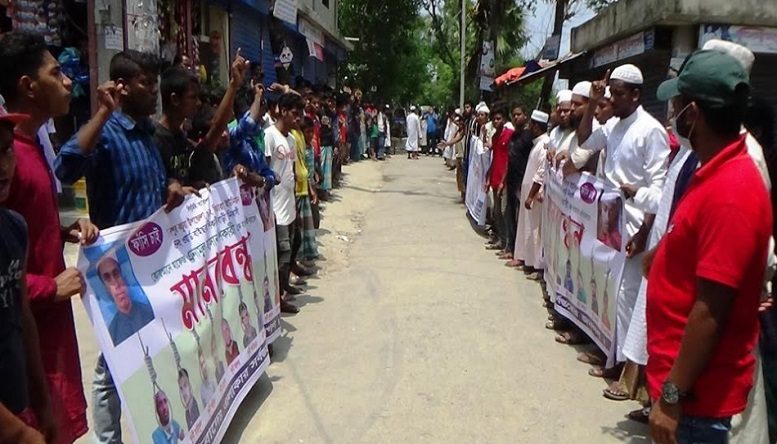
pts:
pixel 387 57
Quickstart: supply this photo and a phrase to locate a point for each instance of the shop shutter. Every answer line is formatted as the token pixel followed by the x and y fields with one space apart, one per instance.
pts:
pixel 248 29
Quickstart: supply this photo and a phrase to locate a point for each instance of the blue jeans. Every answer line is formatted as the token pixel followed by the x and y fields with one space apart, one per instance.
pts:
pixel 381 145
pixel 106 406
pixel 696 430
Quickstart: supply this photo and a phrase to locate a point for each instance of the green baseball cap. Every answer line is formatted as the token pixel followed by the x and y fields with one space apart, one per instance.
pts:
pixel 712 77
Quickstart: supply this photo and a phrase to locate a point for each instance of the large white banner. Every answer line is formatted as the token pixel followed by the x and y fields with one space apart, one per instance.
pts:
pixel 476 197
pixel 182 305
pixel 584 242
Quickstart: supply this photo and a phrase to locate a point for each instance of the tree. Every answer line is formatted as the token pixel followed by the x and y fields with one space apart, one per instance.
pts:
pixel 387 57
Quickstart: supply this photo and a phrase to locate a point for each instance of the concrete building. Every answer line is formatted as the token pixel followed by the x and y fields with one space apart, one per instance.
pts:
pixel 657 35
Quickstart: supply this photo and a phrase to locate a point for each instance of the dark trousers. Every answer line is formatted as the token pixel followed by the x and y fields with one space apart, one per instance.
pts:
pixel 283 235
pixel 497 214
pixel 512 208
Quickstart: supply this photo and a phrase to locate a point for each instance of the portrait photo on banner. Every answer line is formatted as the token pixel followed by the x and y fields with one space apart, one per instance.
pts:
pixel 608 229
pixel 265 210
pixel 124 305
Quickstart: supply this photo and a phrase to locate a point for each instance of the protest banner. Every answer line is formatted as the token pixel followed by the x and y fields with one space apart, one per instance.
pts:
pixel 476 197
pixel 582 236
pixel 174 302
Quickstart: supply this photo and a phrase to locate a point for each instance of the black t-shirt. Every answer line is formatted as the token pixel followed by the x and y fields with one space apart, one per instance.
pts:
pixel 204 167
pixel 327 136
pixel 13 251
pixel 176 151
pixel 519 150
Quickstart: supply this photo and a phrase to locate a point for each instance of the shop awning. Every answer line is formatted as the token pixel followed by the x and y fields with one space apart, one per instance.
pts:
pixel 511 75
pixel 551 67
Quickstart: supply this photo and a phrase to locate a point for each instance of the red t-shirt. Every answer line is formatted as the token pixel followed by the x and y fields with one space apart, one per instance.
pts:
pixel 499 147
pixel 719 232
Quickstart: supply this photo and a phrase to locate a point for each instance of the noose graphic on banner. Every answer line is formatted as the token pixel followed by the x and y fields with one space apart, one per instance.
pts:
pixel 184 384
pixel 214 348
pixel 164 411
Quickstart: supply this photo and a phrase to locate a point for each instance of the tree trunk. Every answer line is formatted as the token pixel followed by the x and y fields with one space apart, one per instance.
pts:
pixel 558 24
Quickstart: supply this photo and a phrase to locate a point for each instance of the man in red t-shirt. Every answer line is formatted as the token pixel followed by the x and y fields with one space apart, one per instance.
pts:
pixel 495 178
pixel 705 278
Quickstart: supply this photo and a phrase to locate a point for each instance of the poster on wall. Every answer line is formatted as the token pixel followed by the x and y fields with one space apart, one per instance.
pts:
pixel 286 10
pixel 584 242
pixel 181 304
pixel 143 26
pixel 487 66
pixel 755 38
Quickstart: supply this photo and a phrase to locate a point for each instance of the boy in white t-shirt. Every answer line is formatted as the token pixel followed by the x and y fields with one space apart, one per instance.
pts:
pixel 280 149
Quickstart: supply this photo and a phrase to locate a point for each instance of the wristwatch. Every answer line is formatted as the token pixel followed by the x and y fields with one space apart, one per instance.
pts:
pixel 671 394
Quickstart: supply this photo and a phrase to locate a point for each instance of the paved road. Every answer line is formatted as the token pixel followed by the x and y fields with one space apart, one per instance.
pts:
pixel 414 333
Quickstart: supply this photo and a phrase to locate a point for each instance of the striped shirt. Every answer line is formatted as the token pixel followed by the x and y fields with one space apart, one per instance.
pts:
pixel 125 175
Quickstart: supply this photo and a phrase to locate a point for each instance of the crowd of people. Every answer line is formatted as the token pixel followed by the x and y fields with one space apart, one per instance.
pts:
pixel 286 142
pixel 693 321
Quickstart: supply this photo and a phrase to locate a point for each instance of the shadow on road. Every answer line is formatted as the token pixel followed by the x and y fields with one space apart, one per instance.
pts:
pixel 248 409
pixel 629 431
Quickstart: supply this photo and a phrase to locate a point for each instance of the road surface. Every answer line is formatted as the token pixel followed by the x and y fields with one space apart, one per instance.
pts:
pixel 413 333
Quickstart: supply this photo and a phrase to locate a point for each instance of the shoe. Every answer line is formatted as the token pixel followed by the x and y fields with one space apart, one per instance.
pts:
pixel 288 308
pixel 296 280
pixel 293 290
pixel 301 271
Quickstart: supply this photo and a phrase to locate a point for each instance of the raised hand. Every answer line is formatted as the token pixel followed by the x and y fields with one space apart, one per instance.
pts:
pixel 238 69
pixel 598 87
pixel 108 95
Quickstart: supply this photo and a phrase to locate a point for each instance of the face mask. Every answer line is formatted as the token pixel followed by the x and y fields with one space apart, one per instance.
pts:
pixel 684 141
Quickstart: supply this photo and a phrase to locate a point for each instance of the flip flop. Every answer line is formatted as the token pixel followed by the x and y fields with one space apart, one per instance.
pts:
pixel 570 338
pixel 590 358
pixel 615 392
pixel 600 372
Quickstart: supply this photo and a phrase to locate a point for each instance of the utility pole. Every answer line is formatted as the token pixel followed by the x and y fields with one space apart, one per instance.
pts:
pixel 558 25
pixel 462 36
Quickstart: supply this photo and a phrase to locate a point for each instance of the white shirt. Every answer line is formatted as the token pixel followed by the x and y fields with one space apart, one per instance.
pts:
pixel 413 132
pixel 560 139
pixel 267 121
pixel 636 151
pixel 279 148
pixel 48 149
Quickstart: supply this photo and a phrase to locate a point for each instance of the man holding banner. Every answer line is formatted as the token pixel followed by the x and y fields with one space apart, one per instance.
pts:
pixel 635 161
pixel 528 243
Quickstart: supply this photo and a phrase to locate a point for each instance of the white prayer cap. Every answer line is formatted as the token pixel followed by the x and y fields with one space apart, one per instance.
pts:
pixel 482 108
pixel 739 52
pixel 412 107
pixel 628 73
pixel 607 94
pixel 539 116
pixel 457 111
pixel 582 89
pixel 565 95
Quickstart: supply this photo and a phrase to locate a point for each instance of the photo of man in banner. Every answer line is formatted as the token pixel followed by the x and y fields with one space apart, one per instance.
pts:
pixel 608 229
pixel 123 303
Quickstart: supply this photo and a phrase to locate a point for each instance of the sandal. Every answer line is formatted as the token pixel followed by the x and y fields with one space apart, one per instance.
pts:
pixel 616 392
pixel 506 256
pixel 556 324
pixel 591 358
pixel 571 338
pixel 515 263
pixel 600 372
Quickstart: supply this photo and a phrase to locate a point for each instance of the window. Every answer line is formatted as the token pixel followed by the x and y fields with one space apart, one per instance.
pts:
pixel 325 3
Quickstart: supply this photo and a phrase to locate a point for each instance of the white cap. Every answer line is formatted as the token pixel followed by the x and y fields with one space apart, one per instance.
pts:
pixel 483 108
pixel 539 116
pixel 457 111
pixel 739 52
pixel 628 73
pixel 607 93
pixel 412 107
pixel 582 89
pixel 565 95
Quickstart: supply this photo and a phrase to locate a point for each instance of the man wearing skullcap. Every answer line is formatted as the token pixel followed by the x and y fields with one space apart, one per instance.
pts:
pixel 561 136
pixel 528 241
pixel 636 150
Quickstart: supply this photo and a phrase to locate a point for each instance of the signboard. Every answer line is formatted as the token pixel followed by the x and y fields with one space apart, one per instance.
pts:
pixel 487 66
pixel 622 49
pixel 584 239
pixel 286 10
pixel 756 39
pixel 183 305
pixel 310 31
pixel 551 49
